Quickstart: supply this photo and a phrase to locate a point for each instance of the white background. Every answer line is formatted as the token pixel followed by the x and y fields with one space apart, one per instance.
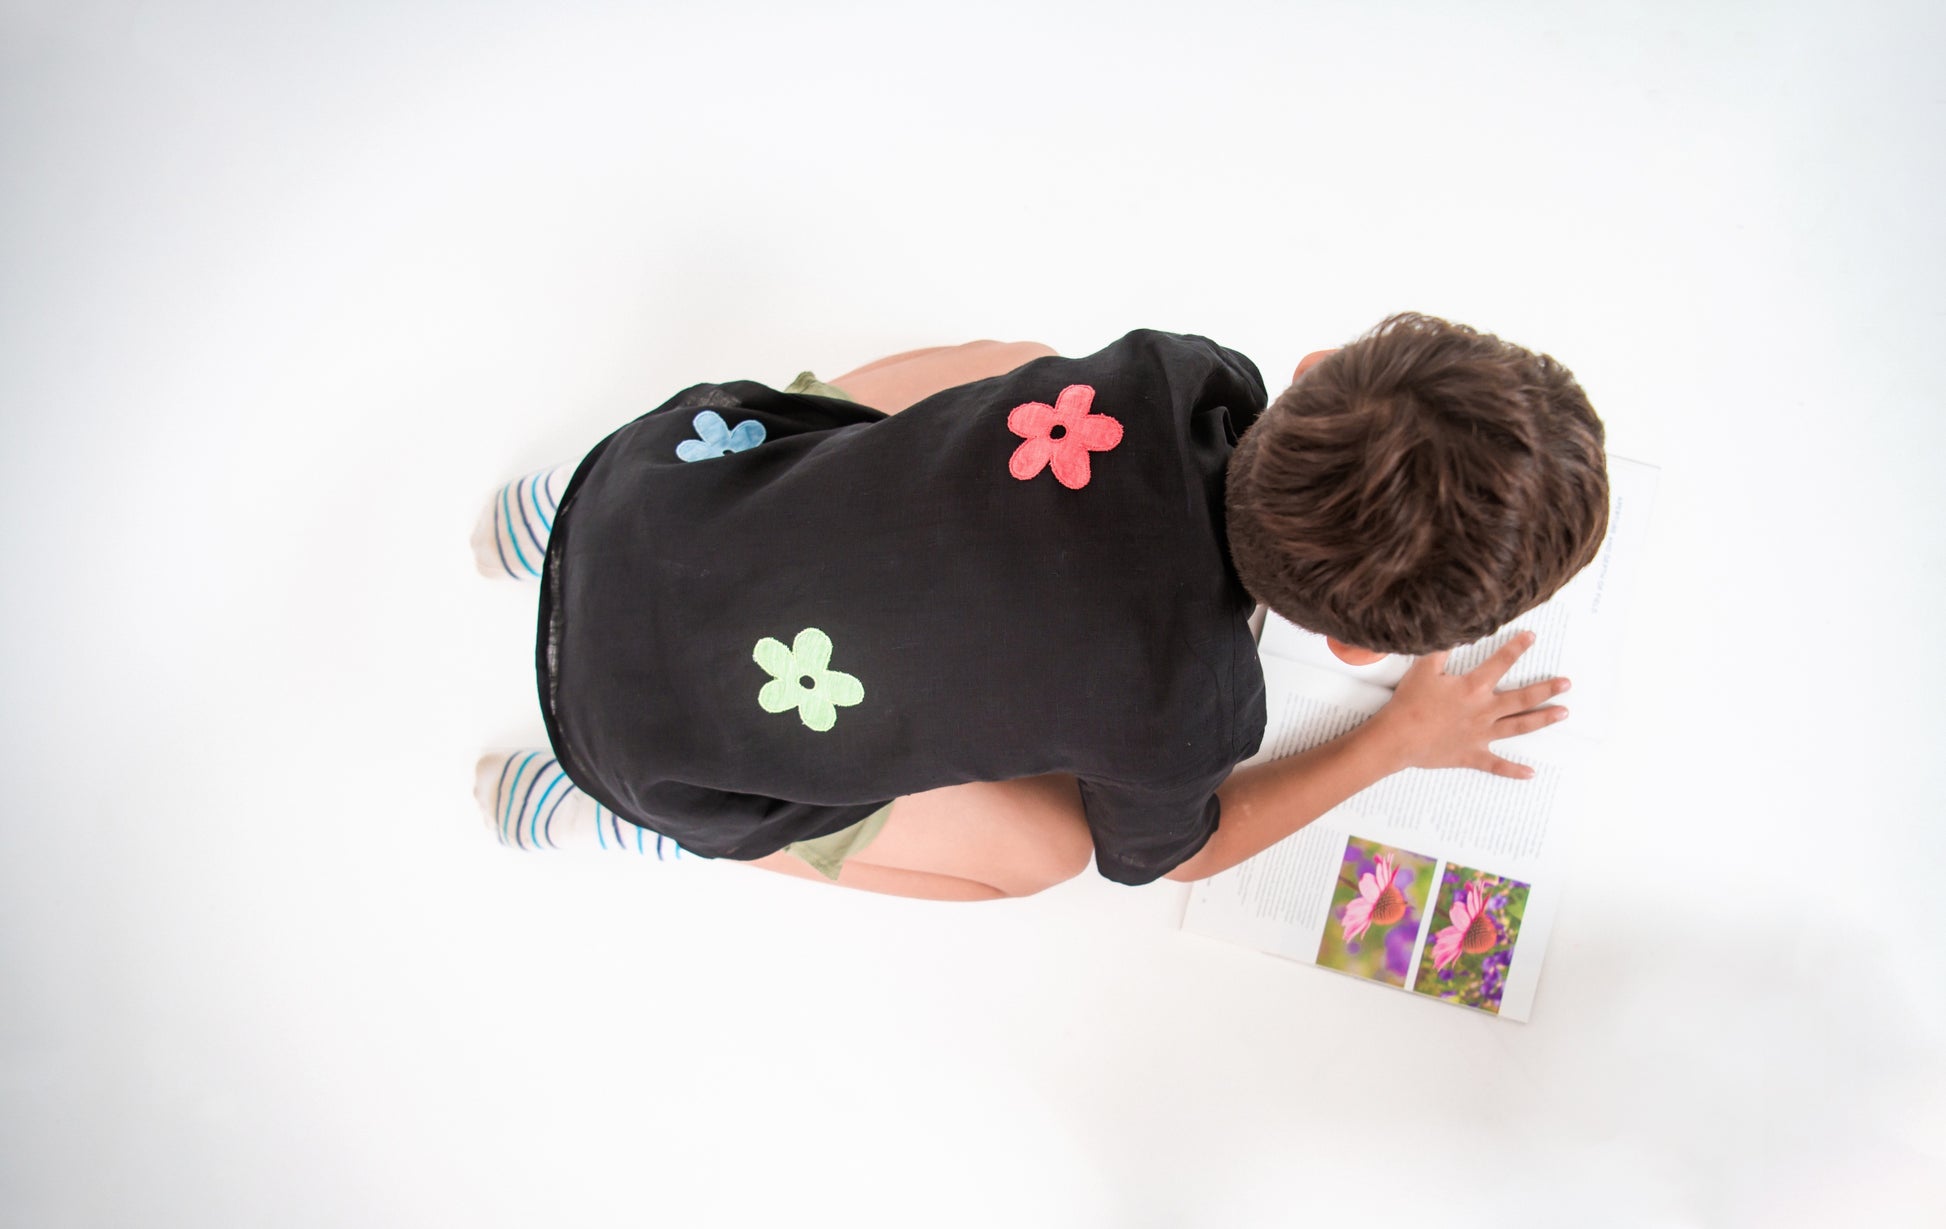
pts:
pixel 285 290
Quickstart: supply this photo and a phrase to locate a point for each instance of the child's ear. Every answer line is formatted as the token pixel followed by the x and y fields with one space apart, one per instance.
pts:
pixel 1352 655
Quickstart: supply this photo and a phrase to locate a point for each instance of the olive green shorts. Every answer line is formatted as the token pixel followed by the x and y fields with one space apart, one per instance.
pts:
pixel 828 853
pixel 808 383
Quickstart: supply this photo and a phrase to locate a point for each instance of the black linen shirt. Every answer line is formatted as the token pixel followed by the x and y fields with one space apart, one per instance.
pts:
pixel 765 615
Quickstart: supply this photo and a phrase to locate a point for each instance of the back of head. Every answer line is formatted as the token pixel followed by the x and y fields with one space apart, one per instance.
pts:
pixel 1418 488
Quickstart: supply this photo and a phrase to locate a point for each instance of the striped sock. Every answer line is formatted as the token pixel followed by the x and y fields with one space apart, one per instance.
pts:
pixel 510 537
pixel 529 803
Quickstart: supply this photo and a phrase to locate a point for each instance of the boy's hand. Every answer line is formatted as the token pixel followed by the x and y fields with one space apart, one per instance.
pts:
pixel 1441 720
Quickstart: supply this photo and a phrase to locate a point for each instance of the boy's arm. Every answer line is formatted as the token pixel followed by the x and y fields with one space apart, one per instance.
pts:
pixel 1434 720
pixel 1265 803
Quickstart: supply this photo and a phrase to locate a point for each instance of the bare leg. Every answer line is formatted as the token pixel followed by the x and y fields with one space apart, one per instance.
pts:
pixel 885 880
pixel 901 357
pixel 987 840
pixel 896 382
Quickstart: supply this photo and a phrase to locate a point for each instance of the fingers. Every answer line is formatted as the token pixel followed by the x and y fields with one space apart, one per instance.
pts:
pixel 1503 768
pixel 1523 698
pixel 1527 723
pixel 1494 668
pixel 1431 663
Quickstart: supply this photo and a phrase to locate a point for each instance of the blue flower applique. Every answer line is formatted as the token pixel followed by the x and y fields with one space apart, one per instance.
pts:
pixel 717 437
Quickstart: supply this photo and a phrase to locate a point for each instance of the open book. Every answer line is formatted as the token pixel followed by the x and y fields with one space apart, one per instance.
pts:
pixel 1440 882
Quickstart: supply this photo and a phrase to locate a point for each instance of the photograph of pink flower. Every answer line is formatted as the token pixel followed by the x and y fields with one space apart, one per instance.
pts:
pixel 1475 925
pixel 1375 911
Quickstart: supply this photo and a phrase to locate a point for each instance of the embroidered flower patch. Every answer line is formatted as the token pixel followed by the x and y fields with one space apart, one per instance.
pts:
pixel 717 438
pixel 1063 433
pixel 800 679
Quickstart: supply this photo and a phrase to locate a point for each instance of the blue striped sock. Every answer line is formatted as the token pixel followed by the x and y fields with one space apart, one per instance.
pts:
pixel 529 803
pixel 510 536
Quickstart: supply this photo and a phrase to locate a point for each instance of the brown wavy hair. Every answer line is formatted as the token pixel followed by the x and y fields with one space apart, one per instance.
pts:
pixel 1419 488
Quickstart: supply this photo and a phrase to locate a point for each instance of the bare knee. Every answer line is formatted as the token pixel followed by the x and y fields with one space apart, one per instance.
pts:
pixel 1018 351
pixel 1061 861
pixel 1069 847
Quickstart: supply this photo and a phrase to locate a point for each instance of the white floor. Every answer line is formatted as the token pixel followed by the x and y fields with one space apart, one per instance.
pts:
pixel 285 294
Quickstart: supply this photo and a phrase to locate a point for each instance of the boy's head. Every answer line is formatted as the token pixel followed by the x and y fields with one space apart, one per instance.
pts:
pixel 1418 488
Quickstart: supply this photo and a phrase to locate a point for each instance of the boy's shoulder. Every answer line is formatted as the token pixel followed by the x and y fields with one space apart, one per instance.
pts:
pixel 1169 341
pixel 1210 359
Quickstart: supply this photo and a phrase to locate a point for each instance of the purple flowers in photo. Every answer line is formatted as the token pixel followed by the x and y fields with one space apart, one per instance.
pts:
pixel 1467 960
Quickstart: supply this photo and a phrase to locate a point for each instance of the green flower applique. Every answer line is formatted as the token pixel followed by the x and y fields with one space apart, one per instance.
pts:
pixel 800 679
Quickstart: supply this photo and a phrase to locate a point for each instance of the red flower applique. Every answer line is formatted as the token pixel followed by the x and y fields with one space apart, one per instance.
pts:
pixel 1064 433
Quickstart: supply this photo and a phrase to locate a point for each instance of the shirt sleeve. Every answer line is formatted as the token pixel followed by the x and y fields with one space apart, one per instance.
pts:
pixel 1143 832
pixel 1234 384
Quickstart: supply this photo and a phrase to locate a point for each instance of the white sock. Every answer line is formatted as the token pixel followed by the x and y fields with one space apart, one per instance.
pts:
pixel 510 536
pixel 529 803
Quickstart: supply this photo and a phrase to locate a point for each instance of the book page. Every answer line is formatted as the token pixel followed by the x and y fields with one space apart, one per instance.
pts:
pixel 1449 839
pixel 1578 630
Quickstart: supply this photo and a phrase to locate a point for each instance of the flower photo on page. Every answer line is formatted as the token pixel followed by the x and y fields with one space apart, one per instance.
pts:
pixel 1376 908
pixel 1476 922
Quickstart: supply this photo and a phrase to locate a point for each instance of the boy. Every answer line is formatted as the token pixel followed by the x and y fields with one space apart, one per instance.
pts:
pixel 951 645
